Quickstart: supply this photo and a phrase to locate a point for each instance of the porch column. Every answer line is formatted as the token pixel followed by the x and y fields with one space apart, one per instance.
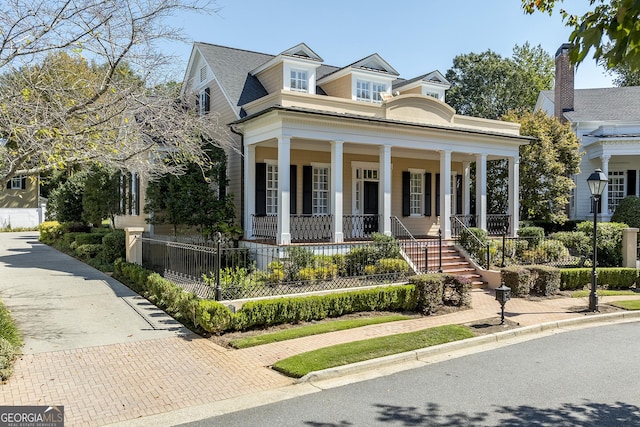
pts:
pixel 604 200
pixel 250 189
pixel 336 190
pixel 284 184
pixel 514 193
pixel 445 194
pixel 385 188
pixel 481 190
pixel 466 185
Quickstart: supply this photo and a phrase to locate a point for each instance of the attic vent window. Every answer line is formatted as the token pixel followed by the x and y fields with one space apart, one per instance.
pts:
pixel 203 74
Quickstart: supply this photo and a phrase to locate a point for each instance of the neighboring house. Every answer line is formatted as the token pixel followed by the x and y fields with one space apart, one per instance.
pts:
pixel 607 123
pixel 20 203
pixel 330 154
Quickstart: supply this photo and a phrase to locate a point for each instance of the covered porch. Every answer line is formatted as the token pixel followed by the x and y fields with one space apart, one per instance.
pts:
pixel 341 178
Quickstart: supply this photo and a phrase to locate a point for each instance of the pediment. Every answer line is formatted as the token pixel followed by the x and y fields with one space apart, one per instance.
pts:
pixel 418 109
pixel 302 51
pixel 375 63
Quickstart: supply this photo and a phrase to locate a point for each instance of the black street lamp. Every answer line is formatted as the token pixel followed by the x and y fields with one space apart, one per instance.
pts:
pixel 597 182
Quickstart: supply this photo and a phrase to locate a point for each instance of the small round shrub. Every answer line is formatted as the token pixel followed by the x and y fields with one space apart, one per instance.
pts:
pixel 533 234
pixel 213 317
pixel 113 246
pixel 628 212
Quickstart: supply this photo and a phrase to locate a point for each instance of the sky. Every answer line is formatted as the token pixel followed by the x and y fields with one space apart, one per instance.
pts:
pixel 413 36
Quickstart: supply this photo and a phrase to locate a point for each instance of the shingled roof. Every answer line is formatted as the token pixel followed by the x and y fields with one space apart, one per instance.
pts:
pixel 614 104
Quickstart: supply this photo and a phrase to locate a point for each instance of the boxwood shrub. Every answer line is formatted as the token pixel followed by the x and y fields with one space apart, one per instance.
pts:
pixel 518 278
pixel 610 278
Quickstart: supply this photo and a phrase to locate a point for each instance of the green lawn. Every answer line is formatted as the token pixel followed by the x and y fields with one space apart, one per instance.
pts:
pixel 344 354
pixel 320 328
pixel 627 305
pixel 602 292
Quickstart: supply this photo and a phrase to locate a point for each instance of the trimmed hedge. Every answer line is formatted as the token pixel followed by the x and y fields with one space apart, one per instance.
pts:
pixel 214 317
pixel 610 278
pixel 518 278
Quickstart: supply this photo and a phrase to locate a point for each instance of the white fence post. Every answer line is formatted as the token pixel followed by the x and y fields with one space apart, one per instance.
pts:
pixel 133 237
pixel 629 247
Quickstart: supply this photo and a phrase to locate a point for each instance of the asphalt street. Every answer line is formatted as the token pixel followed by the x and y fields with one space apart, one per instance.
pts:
pixel 586 377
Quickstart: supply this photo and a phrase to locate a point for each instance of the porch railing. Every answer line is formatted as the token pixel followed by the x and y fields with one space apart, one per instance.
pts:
pixel 360 227
pixel 264 227
pixel 310 228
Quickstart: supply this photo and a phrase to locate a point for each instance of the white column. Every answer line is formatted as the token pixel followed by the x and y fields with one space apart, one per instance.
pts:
pixel 514 193
pixel 481 190
pixel 604 200
pixel 250 189
pixel 466 185
pixel 445 194
pixel 336 190
pixel 385 188
pixel 284 195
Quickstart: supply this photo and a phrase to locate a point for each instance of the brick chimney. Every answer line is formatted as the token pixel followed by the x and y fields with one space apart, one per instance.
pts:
pixel 564 85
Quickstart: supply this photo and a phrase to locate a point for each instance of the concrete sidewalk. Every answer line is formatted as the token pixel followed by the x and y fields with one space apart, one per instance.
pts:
pixel 110 357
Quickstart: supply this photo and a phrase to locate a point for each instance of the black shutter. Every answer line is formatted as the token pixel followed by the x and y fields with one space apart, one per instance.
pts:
pixel 137 199
pixel 307 190
pixel 293 190
pixel 207 100
pixel 631 182
pixel 261 189
pixel 406 193
pixel 437 194
pixel 9 184
pixel 427 194
pixel 458 194
pixel 23 183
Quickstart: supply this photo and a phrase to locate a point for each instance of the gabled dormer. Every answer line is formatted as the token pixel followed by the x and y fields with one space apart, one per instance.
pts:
pixel 368 79
pixel 294 69
pixel 433 84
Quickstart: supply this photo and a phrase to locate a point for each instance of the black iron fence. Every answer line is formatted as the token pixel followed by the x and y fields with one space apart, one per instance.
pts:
pixel 316 228
pixel 257 270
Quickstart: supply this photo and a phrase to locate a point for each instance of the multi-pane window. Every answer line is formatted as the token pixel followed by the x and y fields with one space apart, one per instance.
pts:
pixel 16 183
pixel 299 81
pixel 369 91
pixel 363 90
pixel 320 190
pixel 616 189
pixel 378 88
pixel 272 189
pixel 415 195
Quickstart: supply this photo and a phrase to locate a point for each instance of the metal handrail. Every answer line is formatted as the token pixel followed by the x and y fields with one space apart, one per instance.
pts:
pixel 395 220
pixel 482 245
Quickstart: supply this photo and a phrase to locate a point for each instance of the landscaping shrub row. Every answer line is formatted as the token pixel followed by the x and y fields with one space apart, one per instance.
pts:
pixel 214 317
pixel 609 278
pixel 98 247
pixel 10 343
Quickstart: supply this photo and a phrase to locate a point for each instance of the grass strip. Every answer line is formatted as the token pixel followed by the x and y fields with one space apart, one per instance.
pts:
pixel 627 305
pixel 308 330
pixel 10 342
pixel 357 351
pixel 602 292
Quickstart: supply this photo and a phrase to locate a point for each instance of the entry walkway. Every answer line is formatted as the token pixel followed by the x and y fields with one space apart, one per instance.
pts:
pixel 108 356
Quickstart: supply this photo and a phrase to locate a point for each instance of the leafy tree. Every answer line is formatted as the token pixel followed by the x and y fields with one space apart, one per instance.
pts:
pixel 78 85
pixel 614 20
pixel 488 85
pixel 192 199
pixel 546 166
pixel 65 202
pixel 101 198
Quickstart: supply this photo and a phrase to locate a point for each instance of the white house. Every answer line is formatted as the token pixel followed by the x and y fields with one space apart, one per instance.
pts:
pixel 607 123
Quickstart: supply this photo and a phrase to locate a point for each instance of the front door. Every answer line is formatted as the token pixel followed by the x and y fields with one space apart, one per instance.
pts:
pixel 370 207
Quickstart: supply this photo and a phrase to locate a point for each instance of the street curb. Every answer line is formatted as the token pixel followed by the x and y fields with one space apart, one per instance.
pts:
pixel 425 353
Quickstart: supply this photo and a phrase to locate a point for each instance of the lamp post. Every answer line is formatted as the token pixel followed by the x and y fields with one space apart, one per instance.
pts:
pixel 597 182
pixel 503 294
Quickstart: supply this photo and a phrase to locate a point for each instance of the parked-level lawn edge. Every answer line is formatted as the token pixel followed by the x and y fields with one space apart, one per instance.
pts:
pixel 358 351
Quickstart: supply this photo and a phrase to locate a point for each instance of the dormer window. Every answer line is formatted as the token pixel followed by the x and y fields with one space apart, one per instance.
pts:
pixel 370 91
pixel 299 81
pixel 435 95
